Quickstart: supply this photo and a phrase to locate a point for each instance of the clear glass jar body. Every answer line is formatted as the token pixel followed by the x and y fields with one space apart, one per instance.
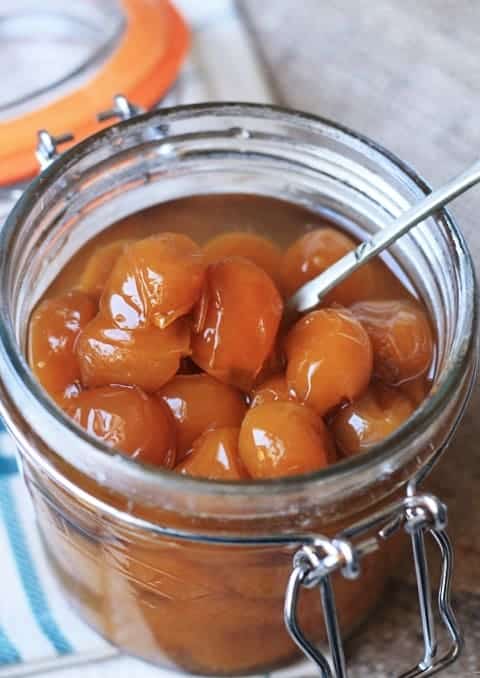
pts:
pixel 142 552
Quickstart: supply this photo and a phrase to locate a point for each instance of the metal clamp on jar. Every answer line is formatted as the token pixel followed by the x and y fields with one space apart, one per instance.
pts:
pixel 314 564
pixel 198 574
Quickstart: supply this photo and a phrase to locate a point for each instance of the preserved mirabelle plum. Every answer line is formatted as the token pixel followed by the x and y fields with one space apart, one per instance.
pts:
pixel 314 252
pixel 283 439
pixel 100 266
pixel 401 338
pixel 54 327
pixel 416 389
pixel 126 418
pixel 146 358
pixel 187 366
pixel 262 251
pixel 155 281
pixel 215 456
pixel 199 403
pixel 274 363
pixel 271 391
pixel 370 419
pixel 237 320
pixel 329 357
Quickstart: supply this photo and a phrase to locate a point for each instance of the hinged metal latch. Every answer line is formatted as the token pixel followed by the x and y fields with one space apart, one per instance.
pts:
pixel 47 145
pixel 123 109
pixel 313 565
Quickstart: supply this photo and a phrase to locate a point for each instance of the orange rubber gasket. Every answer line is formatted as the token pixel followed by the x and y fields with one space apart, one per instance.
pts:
pixel 143 67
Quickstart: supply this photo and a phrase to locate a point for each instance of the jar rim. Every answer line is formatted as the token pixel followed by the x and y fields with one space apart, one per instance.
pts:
pixel 464 340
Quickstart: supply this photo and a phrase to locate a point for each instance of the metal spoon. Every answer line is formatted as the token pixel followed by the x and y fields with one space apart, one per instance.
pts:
pixel 309 295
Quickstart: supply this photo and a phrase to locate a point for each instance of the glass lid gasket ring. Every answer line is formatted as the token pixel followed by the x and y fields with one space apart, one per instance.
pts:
pixel 128 134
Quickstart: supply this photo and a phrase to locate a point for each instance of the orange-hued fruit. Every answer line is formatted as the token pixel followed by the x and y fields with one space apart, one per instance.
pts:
pixel 154 282
pixel 329 359
pixel 215 456
pixel 187 366
pixel 100 266
pixel 199 403
pixel 416 389
pixel 272 390
pixel 315 251
pixel 261 251
pixel 370 419
pixel 64 398
pixel 401 338
pixel 274 363
pixel 146 358
pixel 236 321
pixel 127 419
pixel 54 327
pixel 283 439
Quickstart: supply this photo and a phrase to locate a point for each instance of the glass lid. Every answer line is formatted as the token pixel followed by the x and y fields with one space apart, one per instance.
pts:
pixel 46 49
pixel 62 62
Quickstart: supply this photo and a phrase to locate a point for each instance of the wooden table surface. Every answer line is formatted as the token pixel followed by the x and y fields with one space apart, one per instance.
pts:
pixel 407 74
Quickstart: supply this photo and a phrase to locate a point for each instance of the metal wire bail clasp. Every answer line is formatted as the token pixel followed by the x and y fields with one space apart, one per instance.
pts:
pixel 47 146
pixel 314 563
pixel 122 109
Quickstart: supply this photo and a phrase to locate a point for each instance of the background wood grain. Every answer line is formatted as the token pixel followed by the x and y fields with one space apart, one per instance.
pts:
pixel 408 75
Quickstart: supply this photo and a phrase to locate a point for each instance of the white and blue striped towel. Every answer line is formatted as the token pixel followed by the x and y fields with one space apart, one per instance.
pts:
pixel 35 621
pixel 38 631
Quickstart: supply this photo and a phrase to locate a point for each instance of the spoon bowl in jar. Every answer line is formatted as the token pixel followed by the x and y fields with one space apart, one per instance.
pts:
pixel 308 297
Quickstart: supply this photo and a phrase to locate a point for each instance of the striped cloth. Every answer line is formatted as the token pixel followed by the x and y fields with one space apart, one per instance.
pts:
pixel 35 621
pixel 38 631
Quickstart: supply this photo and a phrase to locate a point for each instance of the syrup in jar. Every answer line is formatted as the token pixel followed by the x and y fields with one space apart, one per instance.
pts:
pixel 162 337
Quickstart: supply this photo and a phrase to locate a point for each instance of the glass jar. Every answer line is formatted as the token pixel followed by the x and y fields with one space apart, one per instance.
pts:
pixel 188 572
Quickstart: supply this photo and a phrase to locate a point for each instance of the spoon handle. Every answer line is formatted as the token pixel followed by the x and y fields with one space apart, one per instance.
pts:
pixel 310 294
